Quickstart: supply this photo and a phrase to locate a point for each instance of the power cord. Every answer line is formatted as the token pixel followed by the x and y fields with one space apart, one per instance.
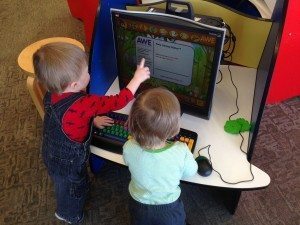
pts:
pixel 230 39
pixel 208 146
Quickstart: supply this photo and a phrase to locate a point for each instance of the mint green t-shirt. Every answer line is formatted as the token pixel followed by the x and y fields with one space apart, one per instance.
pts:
pixel 156 174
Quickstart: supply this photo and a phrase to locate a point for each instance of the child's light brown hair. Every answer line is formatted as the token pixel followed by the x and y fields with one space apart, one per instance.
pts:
pixel 154 117
pixel 58 64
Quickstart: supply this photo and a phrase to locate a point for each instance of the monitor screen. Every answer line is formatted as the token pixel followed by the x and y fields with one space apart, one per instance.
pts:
pixel 183 56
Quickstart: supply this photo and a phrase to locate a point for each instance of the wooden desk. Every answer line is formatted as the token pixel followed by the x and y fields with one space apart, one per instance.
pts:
pixel 225 148
pixel 256 47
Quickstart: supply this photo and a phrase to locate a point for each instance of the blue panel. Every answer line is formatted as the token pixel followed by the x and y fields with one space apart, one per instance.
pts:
pixel 103 67
pixel 96 163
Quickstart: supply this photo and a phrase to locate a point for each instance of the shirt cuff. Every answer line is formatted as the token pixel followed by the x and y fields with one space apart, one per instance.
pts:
pixel 128 93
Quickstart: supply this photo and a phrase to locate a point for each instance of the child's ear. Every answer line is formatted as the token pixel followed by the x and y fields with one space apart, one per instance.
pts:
pixel 73 85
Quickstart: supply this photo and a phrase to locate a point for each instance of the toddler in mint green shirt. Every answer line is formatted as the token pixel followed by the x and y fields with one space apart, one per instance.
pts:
pixel 156 166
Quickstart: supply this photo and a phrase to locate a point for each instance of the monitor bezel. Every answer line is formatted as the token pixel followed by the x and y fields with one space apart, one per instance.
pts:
pixel 187 25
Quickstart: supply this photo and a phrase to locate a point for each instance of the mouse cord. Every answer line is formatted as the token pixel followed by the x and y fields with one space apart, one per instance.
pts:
pixel 227 182
pixel 208 146
pixel 237 94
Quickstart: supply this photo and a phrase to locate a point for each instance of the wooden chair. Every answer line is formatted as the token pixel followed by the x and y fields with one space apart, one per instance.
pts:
pixel 37 93
pixel 36 90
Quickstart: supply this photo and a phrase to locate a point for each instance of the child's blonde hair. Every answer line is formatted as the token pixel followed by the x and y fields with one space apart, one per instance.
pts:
pixel 58 64
pixel 154 117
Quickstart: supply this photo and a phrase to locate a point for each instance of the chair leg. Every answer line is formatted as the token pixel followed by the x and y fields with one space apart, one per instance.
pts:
pixel 37 94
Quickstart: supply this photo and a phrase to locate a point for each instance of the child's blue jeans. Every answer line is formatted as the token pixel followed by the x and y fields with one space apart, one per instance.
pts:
pixel 71 193
pixel 66 161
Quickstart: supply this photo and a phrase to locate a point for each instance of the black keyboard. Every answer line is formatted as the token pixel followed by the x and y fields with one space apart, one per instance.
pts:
pixel 113 138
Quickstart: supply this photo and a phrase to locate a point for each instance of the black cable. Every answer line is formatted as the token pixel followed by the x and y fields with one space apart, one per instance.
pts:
pixel 232 50
pixel 231 45
pixel 221 77
pixel 228 38
pixel 242 143
pixel 237 95
pixel 227 182
pixel 208 146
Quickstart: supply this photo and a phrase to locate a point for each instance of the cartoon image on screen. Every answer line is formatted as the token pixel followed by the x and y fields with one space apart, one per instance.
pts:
pixel 182 60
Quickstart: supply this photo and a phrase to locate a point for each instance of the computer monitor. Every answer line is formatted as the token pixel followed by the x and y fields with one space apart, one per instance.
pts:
pixel 183 55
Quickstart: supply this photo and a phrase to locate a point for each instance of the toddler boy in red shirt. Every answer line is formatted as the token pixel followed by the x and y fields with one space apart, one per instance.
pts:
pixel 69 112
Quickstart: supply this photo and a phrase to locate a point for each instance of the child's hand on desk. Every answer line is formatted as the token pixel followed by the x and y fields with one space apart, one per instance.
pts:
pixel 103 121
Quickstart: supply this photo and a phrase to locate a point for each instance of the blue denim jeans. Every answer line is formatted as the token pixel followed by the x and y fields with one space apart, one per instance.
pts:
pixel 68 170
pixel 66 161
pixel 71 194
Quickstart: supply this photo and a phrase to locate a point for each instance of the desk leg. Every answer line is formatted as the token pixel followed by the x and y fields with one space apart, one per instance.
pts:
pixel 231 199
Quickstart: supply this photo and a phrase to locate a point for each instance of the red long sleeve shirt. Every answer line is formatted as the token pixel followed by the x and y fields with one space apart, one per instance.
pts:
pixel 76 120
